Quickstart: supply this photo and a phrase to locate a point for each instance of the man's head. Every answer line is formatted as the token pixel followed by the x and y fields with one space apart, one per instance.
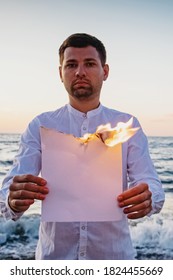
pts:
pixel 81 40
pixel 83 70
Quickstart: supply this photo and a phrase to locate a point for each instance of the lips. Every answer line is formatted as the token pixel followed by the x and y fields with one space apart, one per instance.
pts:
pixel 80 84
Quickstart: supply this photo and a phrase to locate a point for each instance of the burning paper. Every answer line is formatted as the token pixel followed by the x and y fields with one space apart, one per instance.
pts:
pixel 84 176
pixel 112 136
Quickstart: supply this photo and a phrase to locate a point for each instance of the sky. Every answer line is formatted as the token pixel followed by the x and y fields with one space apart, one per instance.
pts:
pixel 137 34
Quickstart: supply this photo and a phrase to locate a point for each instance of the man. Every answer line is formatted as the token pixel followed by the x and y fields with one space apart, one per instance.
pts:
pixel 83 69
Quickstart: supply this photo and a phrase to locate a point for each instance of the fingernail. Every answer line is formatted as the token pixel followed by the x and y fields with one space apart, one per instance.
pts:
pixel 121 204
pixel 42 197
pixel 120 198
pixel 43 182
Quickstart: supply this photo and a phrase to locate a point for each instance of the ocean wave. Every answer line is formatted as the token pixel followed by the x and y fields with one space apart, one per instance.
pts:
pixel 168 172
pixel 2 173
pixel 167 181
pixel 6 162
pixel 151 237
pixel 18 239
pixel 26 228
pixel 167 158
pixel 163 172
pixel 7 143
pixel 160 158
pixel 168 190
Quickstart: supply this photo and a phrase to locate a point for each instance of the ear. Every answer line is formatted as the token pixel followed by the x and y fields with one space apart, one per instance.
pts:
pixel 106 72
pixel 60 73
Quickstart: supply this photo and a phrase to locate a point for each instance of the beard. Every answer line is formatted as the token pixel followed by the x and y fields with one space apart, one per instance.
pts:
pixel 81 92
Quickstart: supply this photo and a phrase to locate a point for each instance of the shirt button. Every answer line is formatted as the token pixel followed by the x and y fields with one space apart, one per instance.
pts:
pixel 84 128
pixel 81 254
pixel 84 115
pixel 83 227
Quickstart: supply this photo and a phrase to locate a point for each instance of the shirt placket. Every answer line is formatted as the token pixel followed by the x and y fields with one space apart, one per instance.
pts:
pixel 83 241
pixel 84 127
pixel 83 225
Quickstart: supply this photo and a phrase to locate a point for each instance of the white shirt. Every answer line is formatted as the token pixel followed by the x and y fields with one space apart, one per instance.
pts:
pixel 85 240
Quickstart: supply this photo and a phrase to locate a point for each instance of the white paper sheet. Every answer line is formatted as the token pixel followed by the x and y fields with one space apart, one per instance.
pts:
pixel 84 179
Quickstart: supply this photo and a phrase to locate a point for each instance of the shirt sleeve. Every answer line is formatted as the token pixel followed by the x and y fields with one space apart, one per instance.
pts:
pixel 140 168
pixel 27 161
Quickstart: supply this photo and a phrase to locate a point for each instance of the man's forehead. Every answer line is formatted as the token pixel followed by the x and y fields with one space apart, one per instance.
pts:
pixel 73 53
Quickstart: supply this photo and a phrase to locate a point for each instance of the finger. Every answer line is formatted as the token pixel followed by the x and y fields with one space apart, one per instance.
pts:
pixel 21 205
pixel 136 199
pixel 22 194
pixel 28 187
pixel 133 191
pixel 29 178
pixel 138 207
pixel 21 202
pixel 140 214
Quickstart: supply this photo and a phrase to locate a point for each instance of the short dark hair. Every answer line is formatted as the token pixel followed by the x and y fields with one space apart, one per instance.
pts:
pixel 81 40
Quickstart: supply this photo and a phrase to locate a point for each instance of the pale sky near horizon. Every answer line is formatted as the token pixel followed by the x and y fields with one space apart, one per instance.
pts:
pixel 137 34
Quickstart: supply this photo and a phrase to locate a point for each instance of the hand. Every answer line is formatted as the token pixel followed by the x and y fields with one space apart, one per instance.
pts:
pixel 137 201
pixel 24 190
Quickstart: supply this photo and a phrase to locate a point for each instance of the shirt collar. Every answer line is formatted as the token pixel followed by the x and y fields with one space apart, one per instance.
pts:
pixel 89 114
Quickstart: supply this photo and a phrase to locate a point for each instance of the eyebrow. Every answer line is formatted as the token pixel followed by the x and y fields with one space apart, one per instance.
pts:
pixel 85 60
pixel 90 59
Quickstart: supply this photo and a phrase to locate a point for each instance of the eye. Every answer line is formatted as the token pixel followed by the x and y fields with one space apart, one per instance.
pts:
pixel 71 65
pixel 90 64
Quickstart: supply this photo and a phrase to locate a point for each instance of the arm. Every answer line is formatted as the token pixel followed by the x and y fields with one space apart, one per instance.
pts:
pixel 145 195
pixel 27 161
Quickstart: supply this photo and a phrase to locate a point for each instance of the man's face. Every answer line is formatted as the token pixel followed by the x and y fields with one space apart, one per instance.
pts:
pixel 82 73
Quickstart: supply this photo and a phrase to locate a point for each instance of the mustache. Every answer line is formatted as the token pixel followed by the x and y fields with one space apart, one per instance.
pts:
pixel 80 81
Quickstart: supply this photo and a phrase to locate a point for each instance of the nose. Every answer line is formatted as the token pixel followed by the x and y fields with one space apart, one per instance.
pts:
pixel 80 71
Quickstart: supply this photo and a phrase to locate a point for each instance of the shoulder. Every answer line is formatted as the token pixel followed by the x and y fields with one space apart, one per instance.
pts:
pixel 47 119
pixel 51 115
pixel 116 116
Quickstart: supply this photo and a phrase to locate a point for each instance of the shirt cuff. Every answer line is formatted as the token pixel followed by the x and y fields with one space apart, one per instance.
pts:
pixel 157 204
pixel 8 213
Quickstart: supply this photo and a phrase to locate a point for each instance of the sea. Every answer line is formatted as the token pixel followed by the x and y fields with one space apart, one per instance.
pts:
pixel 152 236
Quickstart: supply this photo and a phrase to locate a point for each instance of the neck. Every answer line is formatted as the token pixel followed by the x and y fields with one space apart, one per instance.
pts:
pixel 84 106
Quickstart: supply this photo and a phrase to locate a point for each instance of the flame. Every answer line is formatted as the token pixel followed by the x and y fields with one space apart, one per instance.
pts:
pixel 112 136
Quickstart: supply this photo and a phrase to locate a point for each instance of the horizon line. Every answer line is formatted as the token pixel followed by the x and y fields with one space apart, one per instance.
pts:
pixel 20 133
